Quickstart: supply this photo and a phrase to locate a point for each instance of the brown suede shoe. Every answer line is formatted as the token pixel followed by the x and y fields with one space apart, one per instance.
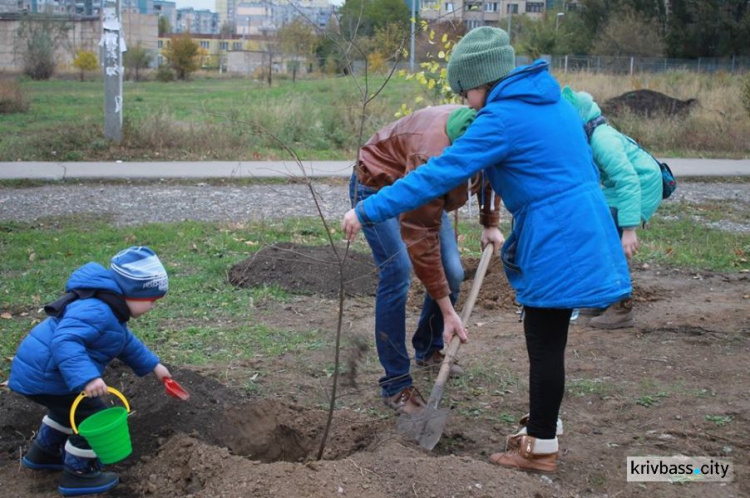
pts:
pixel 520 456
pixel 436 360
pixel 617 316
pixel 408 401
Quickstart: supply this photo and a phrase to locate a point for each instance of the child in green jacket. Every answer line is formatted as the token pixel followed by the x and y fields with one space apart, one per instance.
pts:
pixel 632 183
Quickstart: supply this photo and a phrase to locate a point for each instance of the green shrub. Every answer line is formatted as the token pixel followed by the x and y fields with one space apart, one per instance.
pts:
pixel 165 74
pixel 39 60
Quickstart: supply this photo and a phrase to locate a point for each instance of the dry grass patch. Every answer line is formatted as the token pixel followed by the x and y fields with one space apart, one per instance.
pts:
pixel 12 98
pixel 717 126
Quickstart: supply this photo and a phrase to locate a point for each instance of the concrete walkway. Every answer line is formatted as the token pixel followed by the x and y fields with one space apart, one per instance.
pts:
pixel 273 169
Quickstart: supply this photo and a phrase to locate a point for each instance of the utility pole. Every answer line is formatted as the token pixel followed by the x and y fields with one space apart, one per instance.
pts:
pixel 510 17
pixel 112 45
pixel 411 45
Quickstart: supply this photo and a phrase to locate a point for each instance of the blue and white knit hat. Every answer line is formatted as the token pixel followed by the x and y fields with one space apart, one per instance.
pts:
pixel 139 273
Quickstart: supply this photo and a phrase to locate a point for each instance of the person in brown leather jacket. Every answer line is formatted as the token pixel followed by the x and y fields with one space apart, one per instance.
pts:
pixel 422 239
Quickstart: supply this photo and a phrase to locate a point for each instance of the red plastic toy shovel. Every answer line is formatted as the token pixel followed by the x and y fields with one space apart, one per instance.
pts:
pixel 174 389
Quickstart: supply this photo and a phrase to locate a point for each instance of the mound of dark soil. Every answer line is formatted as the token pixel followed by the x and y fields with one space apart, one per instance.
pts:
pixel 647 103
pixel 314 270
pixel 227 421
pixel 154 415
pixel 306 270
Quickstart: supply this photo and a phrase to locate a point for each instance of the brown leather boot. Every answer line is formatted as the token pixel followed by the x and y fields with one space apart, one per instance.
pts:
pixel 436 361
pixel 617 316
pixel 408 401
pixel 521 455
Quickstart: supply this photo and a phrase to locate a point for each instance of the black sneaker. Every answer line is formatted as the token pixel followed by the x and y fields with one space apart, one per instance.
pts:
pixel 37 458
pixel 75 483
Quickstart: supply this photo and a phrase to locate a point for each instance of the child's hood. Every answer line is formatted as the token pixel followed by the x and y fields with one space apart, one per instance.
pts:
pixel 533 84
pixel 92 276
pixel 583 102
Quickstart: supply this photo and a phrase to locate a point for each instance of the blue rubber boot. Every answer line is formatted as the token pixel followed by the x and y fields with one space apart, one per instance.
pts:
pixel 82 474
pixel 46 451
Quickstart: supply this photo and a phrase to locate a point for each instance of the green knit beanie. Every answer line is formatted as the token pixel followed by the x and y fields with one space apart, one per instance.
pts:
pixel 458 121
pixel 483 55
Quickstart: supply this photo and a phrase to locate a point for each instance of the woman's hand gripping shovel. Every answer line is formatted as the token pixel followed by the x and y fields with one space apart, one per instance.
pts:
pixel 427 425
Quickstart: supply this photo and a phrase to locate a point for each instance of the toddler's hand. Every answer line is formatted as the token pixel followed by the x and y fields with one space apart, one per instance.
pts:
pixel 95 388
pixel 161 372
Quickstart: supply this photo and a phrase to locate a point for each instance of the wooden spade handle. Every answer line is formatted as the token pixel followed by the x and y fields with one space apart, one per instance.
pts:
pixel 437 391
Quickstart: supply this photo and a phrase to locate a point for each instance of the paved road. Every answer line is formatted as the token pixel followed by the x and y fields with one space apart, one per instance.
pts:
pixel 165 170
pixel 127 203
pixel 275 169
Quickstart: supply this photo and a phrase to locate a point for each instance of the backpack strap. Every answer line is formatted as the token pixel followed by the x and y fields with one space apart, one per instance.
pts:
pixel 590 126
pixel 116 303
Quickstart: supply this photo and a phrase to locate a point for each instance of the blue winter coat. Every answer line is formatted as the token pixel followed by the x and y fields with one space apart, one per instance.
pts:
pixel 564 251
pixel 60 356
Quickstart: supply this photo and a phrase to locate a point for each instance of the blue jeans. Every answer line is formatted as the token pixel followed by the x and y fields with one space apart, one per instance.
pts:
pixel 394 272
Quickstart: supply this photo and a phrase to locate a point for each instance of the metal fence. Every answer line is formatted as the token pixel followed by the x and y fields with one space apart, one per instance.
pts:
pixel 632 65
pixel 621 65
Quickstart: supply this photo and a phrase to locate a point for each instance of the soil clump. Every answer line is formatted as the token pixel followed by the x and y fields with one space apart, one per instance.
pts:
pixel 648 103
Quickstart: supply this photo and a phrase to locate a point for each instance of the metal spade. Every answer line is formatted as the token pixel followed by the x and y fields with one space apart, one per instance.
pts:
pixel 427 425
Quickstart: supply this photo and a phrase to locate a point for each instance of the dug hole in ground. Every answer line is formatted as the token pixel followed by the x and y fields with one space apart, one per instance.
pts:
pixel 677 383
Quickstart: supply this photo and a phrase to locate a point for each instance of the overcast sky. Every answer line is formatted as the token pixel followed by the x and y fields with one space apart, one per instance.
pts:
pixel 211 4
pixel 197 4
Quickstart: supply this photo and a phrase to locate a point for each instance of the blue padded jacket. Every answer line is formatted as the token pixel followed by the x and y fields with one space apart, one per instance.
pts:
pixel 60 356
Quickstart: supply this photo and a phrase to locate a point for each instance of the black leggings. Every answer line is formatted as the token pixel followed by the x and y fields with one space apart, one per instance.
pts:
pixel 546 333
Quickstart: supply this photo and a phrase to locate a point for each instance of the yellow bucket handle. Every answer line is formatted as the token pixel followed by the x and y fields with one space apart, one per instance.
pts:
pixel 83 395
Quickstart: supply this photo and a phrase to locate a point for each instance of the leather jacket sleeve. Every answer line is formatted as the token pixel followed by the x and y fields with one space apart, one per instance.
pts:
pixel 489 206
pixel 420 230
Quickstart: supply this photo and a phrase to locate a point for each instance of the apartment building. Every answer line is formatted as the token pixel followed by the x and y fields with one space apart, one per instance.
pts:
pixel 167 10
pixel 477 13
pixel 200 21
pixel 267 16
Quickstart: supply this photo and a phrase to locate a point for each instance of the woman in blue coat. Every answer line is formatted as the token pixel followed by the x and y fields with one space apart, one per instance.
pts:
pixel 563 251
pixel 68 352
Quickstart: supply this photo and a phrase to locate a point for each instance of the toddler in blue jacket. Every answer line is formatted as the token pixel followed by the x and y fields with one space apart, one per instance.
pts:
pixel 68 352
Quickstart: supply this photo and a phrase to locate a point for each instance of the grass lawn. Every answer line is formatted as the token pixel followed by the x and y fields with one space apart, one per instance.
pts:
pixel 199 119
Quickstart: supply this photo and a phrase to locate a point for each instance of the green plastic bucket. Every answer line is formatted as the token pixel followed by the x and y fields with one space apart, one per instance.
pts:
pixel 106 431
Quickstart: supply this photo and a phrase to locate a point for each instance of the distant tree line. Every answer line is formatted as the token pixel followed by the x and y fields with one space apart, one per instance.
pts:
pixel 678 28
pixel 689 29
